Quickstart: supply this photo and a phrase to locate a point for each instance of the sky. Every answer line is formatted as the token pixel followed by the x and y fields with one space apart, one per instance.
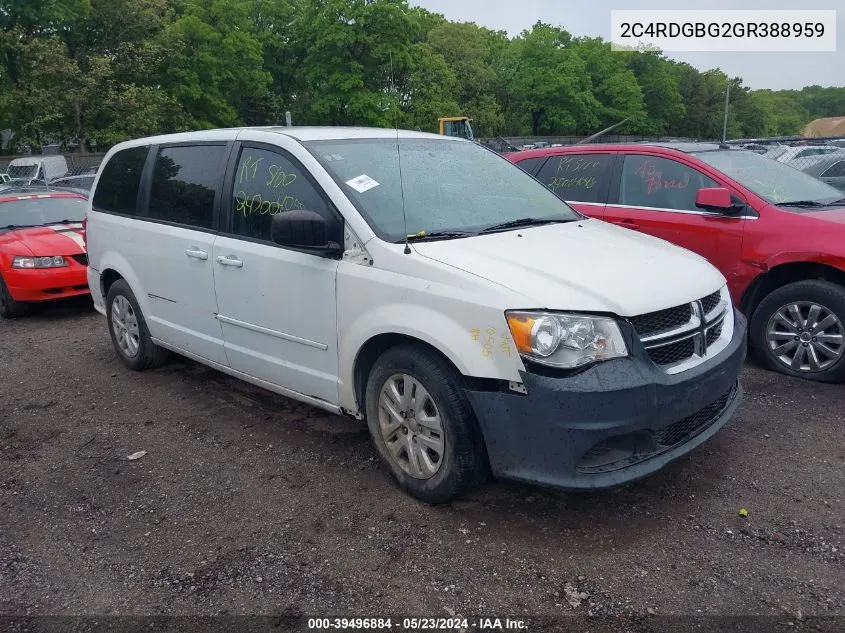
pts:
pixel 592 18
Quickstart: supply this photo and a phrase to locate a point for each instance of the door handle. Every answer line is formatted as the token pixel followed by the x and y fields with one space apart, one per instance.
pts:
pixel 196 253
pixel 628 224
pixel 230 260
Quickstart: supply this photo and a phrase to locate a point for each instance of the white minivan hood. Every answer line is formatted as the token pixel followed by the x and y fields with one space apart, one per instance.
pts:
pixel 586 265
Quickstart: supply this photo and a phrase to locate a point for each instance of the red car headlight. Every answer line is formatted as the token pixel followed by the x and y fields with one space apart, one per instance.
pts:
pixel 56 261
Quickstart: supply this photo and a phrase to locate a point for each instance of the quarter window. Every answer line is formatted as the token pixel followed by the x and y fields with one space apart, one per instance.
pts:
pixel 578 177
pixel 530 164
pixel 117 189
pixel 649 181
pixel 185 180
pixel 267 183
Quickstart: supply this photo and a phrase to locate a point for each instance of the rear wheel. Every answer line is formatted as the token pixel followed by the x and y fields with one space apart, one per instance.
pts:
pixel 129 332
pixel 422 424
pixel 9 308
pixel 799 330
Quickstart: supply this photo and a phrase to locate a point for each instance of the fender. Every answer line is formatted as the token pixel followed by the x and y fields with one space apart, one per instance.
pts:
pixel 112 260
pixel 800 257
pixel 475 342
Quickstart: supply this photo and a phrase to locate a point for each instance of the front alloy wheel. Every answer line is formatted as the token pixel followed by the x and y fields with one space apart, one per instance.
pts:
pixel 806 336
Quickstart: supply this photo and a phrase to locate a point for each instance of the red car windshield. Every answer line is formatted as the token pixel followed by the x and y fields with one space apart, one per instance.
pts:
pixel 771 180
pixel 28 212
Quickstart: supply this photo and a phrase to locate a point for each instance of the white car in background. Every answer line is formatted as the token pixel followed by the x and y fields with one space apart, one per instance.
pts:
pixel 795 154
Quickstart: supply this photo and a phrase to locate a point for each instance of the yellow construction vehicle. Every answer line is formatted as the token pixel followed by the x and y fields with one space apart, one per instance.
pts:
pixel 456 126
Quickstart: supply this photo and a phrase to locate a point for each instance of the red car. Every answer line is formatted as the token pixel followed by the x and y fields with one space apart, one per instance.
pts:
pixel 777 234
pixel 42 249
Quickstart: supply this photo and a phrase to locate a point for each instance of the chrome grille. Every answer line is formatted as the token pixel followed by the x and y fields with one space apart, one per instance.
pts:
pixel 677 336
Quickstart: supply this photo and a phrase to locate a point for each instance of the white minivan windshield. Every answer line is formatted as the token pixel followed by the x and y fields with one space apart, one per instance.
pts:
pixel 448 188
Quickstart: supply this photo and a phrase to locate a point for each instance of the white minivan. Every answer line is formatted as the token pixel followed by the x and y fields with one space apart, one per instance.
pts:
pixel 425 284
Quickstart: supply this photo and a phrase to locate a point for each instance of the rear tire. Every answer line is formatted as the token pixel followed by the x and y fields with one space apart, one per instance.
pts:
pixel 786 336
pixel 422 425
pixel 9 308
pixel 128 329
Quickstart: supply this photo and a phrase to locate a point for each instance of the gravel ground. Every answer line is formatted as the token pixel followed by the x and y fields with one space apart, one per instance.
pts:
pixel 248 503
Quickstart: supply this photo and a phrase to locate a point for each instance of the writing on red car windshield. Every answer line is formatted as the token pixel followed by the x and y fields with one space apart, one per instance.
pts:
pixel 575 172
pixel 654 180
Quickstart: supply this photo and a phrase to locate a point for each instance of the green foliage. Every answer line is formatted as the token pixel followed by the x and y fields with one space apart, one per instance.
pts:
pixel 95 72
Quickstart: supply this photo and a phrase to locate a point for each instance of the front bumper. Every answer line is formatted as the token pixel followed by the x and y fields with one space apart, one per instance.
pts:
pixel 615 422
pixel 47 284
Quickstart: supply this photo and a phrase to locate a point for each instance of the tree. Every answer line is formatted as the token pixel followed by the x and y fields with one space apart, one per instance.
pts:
pixel 469 51
pixel 215 62
pixel 614 85
pixel 661 88
pixel 549 84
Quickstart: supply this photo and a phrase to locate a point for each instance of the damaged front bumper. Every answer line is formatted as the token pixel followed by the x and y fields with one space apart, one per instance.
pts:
pixel 615 422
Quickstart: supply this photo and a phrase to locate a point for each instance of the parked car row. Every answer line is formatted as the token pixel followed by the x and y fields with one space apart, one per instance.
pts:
pixel 478 320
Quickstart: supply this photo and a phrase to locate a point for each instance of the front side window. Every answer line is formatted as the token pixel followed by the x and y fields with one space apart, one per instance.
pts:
pixel 660 183
pixel 184 183
pixel 117 189
pixel 773 181
pixel 577 177
pixel 268 183
pixel 412 185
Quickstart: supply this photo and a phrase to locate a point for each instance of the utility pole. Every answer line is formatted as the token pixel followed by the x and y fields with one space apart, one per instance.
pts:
pixel 725 125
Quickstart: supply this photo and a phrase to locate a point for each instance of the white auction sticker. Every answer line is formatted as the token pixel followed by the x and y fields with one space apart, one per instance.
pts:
pixel 740 30
pixel 362 183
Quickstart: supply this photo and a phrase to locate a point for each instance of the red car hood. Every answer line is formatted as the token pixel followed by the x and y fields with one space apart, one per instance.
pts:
pixel 58 239
pixel 830 215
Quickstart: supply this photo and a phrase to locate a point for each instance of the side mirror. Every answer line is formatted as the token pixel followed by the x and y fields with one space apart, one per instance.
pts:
pixel 303 229
pixel 714 199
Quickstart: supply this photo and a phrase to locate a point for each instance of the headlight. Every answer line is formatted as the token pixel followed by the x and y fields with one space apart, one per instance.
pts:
pixel 565 340
pixel 39 262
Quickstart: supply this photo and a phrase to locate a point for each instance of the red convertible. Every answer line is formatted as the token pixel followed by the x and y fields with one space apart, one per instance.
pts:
pixel 42 249
pixel 777 234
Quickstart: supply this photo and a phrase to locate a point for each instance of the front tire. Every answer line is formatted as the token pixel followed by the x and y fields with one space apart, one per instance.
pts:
pixel 422 425
pixel 128 330
pixel 799 330
pixel 9 308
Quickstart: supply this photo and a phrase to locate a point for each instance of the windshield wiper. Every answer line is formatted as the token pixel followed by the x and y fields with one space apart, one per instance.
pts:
pixel 64 222
pixel 434 235
pixel 812 204
pixel 522 222
pixel 18 226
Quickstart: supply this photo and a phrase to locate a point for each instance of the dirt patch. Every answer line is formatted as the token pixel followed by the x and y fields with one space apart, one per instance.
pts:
pixel 248 503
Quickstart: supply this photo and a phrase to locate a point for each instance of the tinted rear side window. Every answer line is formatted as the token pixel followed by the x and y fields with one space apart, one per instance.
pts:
pixel 530 164
pixel 185 181
pixel 578 177
pixel 117 190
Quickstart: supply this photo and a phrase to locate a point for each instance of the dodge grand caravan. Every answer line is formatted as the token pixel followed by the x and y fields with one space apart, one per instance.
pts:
pixel 423 283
